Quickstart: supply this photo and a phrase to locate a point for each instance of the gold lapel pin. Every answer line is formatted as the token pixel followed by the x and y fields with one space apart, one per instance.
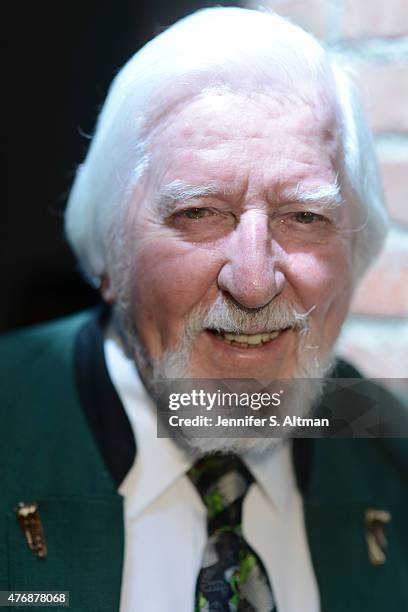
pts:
pixel 375 522
pixel 30 522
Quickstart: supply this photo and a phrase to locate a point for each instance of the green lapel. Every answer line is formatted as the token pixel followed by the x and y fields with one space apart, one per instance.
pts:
pixel 84 538
pixel 348 477
pixel 346 578
pixel 50 456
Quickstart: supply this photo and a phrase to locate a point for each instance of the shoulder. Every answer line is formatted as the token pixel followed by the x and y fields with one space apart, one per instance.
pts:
pixel 368 452
pixel 41 341
pixel 37 364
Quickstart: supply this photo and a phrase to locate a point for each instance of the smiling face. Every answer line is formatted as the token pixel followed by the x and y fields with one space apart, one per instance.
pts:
pixel 235 232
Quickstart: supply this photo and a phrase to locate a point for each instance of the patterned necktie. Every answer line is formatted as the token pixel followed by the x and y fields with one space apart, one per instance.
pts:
pixel 232 576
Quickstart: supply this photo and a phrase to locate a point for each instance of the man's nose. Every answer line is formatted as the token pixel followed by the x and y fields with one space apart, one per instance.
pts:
pixel 251 273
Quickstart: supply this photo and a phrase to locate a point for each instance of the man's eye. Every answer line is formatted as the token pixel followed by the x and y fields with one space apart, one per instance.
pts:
pixel 306 217
pixel 196 213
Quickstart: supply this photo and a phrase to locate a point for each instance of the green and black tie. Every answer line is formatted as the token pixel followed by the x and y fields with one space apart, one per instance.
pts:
pixel 232 576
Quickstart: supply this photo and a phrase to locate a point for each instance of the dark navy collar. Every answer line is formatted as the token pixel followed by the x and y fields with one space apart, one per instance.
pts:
pixel 103 409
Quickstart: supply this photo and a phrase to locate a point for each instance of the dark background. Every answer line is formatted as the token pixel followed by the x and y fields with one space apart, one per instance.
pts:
pixel 60 59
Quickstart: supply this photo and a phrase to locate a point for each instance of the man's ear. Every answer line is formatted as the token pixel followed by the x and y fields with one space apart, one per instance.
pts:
pixel 106 289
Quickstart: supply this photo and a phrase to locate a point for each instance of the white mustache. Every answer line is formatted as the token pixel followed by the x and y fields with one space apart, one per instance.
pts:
pixel 227 316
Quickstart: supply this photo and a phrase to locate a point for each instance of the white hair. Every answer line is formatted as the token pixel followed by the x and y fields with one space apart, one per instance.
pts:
pixel 239 49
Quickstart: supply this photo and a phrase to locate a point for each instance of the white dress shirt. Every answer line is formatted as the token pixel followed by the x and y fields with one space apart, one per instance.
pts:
pixel 165 519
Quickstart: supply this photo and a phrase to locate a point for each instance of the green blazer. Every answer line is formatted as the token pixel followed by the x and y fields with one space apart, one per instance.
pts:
pixel 48 454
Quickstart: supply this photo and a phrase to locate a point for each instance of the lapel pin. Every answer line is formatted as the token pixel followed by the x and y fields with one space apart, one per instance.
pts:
pixel 30 523
pixel 375 522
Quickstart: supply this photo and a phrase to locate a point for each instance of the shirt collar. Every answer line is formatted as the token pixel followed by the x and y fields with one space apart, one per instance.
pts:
pixel 274 473
pixel 160 461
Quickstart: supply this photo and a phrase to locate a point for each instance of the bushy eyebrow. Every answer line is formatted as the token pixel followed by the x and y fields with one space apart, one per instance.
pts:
pixel 177 193
pixel 327 197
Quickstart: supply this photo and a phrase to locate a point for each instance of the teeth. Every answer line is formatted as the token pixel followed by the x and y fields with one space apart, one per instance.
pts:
pixel 253 339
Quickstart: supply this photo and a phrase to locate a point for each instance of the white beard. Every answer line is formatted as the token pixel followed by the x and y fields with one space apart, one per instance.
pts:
pixel 311 367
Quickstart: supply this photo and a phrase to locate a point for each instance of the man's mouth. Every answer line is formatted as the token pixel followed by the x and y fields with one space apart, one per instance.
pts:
pixel 247 340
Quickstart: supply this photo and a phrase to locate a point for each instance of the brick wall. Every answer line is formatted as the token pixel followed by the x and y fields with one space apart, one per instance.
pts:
pixel 373 35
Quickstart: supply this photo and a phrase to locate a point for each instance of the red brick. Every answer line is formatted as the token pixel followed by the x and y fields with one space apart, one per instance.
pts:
pixel 384 289
pixel 374 18
pixel 385 91
pixel 395 178
pixel 309 14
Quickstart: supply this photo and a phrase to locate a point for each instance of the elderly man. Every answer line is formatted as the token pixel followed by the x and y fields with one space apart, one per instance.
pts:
pixel 227 207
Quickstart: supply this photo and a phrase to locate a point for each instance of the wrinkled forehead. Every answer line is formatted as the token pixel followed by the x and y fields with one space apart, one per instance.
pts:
pixel 216 105
pixel 219 125
pixel 218 94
